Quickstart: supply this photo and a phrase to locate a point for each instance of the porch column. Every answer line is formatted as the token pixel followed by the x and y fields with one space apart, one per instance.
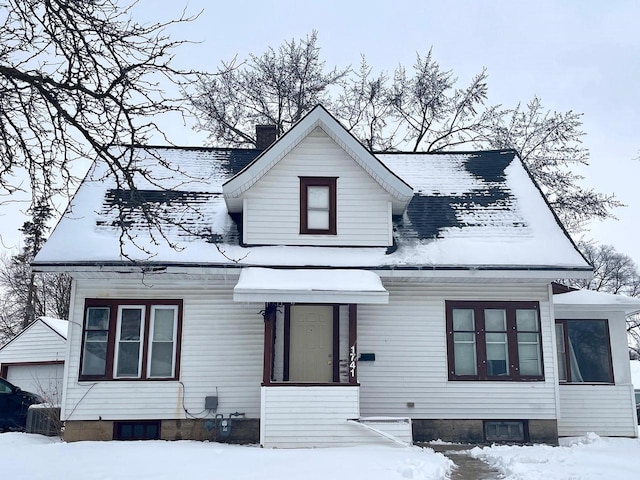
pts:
pixel 269 337
pixel 353 347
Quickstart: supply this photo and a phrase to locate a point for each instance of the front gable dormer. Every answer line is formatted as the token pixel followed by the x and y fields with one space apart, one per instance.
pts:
pixel 317 185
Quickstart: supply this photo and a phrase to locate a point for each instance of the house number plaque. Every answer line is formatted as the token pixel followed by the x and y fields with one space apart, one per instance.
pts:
pixel 352 361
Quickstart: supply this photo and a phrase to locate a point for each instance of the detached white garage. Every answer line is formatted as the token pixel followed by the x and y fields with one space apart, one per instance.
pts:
pixel 34 359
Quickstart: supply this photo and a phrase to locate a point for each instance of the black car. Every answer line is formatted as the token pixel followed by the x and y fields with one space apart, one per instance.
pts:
pixel 14 404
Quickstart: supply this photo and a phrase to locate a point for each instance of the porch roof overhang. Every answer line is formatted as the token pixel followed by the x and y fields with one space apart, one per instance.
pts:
pixel 309 285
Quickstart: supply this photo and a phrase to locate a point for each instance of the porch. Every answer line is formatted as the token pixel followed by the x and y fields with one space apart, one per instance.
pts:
pixel 310 395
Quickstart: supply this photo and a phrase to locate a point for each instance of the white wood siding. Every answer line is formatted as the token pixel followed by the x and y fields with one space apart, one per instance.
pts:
pixel 38 343
pixel 312 417
pixel 272 207
pixel 222 345
pixel 221 355
pixel 603 409
pixel 408 337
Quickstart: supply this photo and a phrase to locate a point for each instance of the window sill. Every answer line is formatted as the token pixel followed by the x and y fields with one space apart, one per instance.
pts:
pixel 588 384
pixel 498 380
pixel 102 379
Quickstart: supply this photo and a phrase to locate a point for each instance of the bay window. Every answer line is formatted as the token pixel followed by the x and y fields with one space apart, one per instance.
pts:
pixel 494 340
pixel 131 339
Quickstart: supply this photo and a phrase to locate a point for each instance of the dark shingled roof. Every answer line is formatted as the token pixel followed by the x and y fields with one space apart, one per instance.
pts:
pixel 441 202
pixel 455 191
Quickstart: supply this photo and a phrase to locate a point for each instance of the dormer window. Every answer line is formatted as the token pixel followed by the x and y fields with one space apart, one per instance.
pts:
pixel 318 205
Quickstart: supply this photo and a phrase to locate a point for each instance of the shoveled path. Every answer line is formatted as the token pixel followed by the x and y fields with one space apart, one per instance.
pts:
pixel 467 467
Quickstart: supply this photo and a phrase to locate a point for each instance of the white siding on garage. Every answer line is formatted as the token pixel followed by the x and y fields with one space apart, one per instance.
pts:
pixel 408 337
pixel 272 213
pixel 222 345
pixel 38 343
pixel 36 346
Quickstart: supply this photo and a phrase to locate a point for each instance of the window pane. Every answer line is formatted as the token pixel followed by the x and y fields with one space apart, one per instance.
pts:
pixel 94 360
pixel 131 322
pixel 527 320
pixel 562 359
pixel 589 351
pixel 128 359
pixel 94 355
pixel 96 336
pixel 495 320
pixel 497 354
pixel 529 354
pixel 318 197
pixel 464 351
pixel 318 220
pixel 97 318
pixel 163 324
pixel 162 359
pixel 463 319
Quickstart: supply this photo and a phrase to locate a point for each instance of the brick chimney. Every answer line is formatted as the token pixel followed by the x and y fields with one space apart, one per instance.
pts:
pixel 265 136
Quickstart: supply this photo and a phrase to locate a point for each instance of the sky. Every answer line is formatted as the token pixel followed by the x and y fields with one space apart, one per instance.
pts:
pixel 580 55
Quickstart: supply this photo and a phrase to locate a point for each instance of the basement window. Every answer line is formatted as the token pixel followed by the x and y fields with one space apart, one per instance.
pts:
pixel 505 431
pixel 148 430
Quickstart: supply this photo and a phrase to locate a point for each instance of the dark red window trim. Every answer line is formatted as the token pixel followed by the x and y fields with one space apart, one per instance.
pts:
pixel 306 182
pixel 565 341
pixel 512 339
pixel 113 305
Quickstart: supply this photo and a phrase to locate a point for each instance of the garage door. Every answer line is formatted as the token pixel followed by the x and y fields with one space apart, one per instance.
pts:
pixel 45 380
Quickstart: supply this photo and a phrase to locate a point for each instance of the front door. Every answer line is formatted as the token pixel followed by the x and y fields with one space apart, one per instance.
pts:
pixel 311 344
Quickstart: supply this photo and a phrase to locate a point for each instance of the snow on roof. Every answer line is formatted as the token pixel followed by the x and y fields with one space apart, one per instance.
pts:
pixel 469 210
pixel 61 327
pixel 311 280
pixel 591 297
pixel 309 285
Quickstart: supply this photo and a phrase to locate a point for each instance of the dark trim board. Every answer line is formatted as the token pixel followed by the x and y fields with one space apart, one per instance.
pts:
pixel 330 183
pixel 287 342
pixel 336 344
pixel 160 267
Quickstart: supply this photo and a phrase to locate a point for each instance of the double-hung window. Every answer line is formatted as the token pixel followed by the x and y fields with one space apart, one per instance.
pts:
pixel 318 205
pixel 584 352
pixel 494 340
pixel 129 339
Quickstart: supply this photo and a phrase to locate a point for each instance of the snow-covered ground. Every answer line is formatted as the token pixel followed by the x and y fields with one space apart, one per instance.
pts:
pixel 583 458
pixel 33 457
